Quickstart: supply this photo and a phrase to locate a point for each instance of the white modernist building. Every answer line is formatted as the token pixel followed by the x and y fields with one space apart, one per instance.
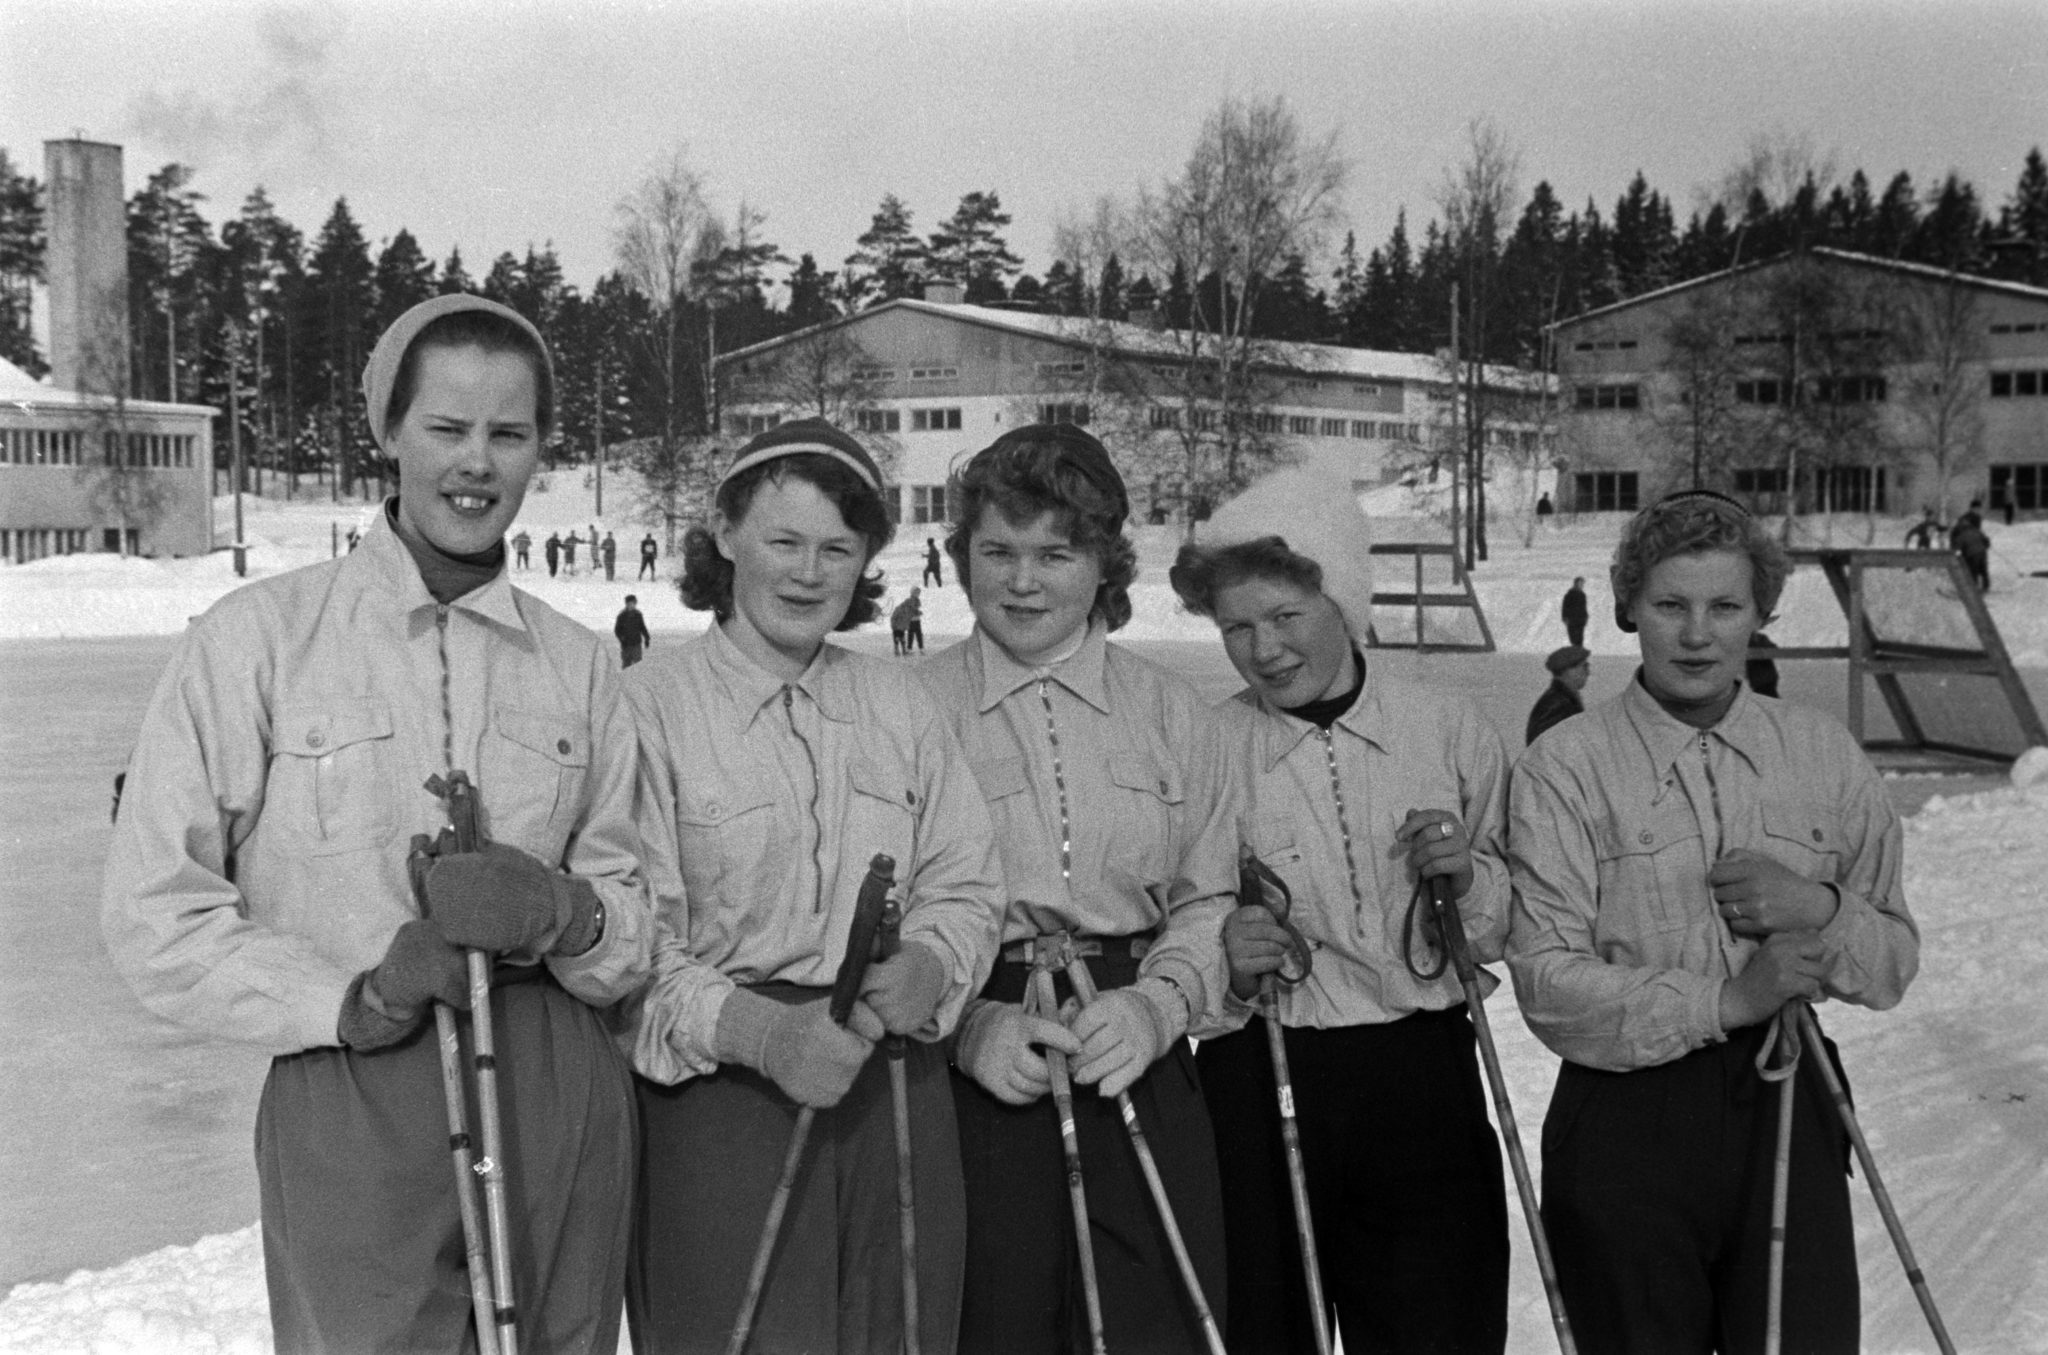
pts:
pixel 925 382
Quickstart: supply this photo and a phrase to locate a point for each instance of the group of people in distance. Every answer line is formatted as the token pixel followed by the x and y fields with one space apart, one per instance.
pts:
pixel 674 855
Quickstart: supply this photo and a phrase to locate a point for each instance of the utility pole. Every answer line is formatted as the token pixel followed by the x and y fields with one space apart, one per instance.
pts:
pixel 235 442
pixel 1457 424
pixel 600 435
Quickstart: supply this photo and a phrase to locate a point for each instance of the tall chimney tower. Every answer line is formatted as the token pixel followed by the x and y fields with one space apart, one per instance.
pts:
pixel 87 265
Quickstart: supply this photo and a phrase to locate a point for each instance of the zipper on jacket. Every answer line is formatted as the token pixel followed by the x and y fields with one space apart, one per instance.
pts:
pixel 1059 781
pixel 447 697
pixel 1713 792
pixel 817 828
pixel 1343 825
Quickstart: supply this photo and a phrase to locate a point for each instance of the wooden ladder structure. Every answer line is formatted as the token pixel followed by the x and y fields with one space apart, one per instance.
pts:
pixel 1884 660
pixel 1421 600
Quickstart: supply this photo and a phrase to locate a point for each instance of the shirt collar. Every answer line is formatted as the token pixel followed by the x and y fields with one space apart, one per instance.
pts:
pixel 1085 672
pixel 1367 719
pixel 828 681
pixel 383 564
pixel 1744 727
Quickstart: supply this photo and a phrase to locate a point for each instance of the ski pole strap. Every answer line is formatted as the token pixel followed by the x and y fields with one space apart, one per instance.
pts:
pixel 1432 936
pixel 1259 884
pixel 1783 1037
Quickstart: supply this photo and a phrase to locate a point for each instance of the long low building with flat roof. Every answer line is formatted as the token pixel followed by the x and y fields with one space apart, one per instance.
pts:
pixel 926 381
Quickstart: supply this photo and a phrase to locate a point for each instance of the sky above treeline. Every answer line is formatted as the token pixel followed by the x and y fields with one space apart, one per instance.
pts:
pixel 495 124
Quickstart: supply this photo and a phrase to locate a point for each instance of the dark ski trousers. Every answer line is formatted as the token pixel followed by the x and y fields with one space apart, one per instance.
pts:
pixel 1657 1198
pixel 1024 1291
pixel 713 1147
pixel 1404 1181
pixel 362 1242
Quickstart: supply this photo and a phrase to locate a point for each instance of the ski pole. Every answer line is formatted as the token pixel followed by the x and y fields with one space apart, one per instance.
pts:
pixel 1452 926
pixel 1084 989
pixel 887 940
pixel 1259 883
pixel 459 794
pixel 475 1248
pixel 1784 1039
pixel 860 948
pixel 1045 1001
pixel 1840 1097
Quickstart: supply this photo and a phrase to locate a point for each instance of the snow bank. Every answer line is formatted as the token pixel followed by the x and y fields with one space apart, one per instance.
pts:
pixel 100 595
pixel 1952 1089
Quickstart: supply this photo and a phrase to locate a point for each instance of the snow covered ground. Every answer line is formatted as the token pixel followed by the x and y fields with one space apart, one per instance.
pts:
pixel 1952 1087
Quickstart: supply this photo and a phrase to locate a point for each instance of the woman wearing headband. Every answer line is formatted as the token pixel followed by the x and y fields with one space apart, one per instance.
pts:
pixel 1687 859
pixel 1359 787
pixel 258 884
pixel 774 766
pixel 1105 780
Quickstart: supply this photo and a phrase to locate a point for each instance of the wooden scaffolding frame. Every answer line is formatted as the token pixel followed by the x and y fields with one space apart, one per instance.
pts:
pixel 1421 600
pixel 1883 661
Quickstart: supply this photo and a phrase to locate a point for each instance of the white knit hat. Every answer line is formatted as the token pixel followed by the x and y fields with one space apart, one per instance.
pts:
pixel 1318 516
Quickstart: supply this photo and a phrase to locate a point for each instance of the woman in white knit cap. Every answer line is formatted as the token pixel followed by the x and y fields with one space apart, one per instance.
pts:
pixel 1356 786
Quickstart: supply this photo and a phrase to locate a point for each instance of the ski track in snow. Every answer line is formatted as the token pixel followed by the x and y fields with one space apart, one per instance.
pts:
pixel 1951 1089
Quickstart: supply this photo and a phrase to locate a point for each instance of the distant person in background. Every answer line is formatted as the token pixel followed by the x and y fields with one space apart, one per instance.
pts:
pixel 553 550
pixel 1926 533
pixel 569 552
pixel 1970 541
pixel 1574 611
pixel 1545 510
pixel 908 621
pixel 2003 497
pixel 354 539
pixel 1570 667
pixel 932 573
pixel 1973 516
pixel 648 550
pixel 1761 674
pixel 631 628
pixel 522 546
pixel 611 556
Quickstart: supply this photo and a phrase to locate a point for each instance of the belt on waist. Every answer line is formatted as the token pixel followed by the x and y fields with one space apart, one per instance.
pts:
pixel 1054 948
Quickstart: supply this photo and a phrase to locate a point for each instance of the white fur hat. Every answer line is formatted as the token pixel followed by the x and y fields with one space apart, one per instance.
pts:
pixel 1318 516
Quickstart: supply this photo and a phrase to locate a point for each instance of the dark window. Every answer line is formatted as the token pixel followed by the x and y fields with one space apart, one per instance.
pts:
pixel 934 420
pixel 2026 383
pixel 1605 491
pixel 1620 396
pixel 2001 383
pixel 878 420
pixel 1848 390
pixel 1065 411
pixel 2027 481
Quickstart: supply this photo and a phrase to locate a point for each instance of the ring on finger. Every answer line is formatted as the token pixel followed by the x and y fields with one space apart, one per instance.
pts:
pixel 1446 829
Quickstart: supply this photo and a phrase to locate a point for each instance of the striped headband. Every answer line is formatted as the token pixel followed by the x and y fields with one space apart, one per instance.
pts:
pixel 782 449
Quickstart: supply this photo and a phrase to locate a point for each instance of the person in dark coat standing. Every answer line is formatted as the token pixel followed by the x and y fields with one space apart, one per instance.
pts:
pixel 648 550
pixel 610 549
pixel 553 549
pixel 932 573
pixel 522 549
pixel 631 628
pixel 1974 546
pixel 1545 509
pixel 1569 667
pixel 906 623
pixel 1574 612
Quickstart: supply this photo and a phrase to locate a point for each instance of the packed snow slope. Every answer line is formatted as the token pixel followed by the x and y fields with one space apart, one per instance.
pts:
pixel 1952 1087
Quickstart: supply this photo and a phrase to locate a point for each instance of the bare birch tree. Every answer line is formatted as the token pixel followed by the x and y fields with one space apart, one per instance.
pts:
pixel 1475 198
pixel 1939 346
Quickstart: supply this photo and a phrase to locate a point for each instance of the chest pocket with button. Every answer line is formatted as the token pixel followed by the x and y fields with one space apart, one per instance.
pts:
pixel 331 772
pixel 732 853
pixel 1139 839
pixel 1653 874
pixel 1803 836
pixel 534 766
pixel 881 816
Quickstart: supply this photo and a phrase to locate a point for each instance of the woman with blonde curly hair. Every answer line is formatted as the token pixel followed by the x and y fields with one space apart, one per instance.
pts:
pixel 1688 859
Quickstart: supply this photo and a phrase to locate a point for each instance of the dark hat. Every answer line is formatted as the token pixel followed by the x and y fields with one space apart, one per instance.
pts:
pixel 1571 656
pixel 802 437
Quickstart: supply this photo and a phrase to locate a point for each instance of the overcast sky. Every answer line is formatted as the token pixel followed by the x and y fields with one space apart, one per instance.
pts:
pixel 492 125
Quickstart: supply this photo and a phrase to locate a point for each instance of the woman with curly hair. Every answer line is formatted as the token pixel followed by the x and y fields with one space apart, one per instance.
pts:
pixel 774 765
pixel 1687 859
pixel 1104 777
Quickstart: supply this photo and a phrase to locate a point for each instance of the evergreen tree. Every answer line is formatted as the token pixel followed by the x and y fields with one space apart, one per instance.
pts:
pixel 454 277
pixel 1951 234
pixel 2024 223
pixel 168 248
pixel 1896 219
pixel 342 283
pixel 1062 291
pixel 891 260
pixel 970 250
pixel 1348 301
pixel 1110 299
pixel 1028 291
pixel 810 295
pixel 405 277
pixel 1291 309
pixel 21 264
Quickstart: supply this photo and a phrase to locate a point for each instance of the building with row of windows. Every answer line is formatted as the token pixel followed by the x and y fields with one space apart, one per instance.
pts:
pixel 87 473
pixel 1837 380
pixel 927 382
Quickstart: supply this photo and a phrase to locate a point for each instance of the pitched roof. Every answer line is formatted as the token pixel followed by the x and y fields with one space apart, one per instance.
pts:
pixel 1924 271
pixel 1135 340
pixel 22 391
